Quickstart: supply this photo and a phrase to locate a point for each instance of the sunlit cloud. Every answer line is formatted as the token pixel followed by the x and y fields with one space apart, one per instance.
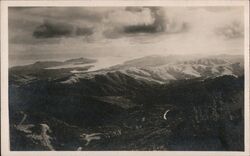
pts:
pixel 39 32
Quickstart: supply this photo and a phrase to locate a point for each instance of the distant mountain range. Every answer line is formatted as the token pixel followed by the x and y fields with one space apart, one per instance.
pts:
pixel 159 69
pixel 149 103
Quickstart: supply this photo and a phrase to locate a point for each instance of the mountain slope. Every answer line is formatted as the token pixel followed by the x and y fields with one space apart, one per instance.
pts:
pixel 210 110
pixel 162 70
pixel 194 104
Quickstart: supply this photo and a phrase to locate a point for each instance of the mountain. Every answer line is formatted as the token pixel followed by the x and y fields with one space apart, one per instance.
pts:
pixel 80 60
pixel 203 115
pixel 47 70
pixel 48 64
pixel 192 104
pixel 160 69
pixel 152 60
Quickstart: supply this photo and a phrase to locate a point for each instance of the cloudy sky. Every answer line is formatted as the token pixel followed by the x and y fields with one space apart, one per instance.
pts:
pixel 41 33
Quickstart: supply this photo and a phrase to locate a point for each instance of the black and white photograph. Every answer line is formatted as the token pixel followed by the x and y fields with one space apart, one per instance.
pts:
pixel 126 78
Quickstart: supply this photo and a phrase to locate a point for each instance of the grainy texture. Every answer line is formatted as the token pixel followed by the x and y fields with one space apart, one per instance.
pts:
pixel 126 78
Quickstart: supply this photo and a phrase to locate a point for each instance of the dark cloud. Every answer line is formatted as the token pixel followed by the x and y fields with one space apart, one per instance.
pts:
pixel 231 31
pixel 51 29
pixel 134 9
pixel 159 24
pixel 84 31
pixel 142 29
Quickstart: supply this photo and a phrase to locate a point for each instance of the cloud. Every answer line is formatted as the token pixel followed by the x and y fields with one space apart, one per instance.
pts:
pixel 69 13
pixel 134 9
pixel 137 21
pixel 158 24
pixel 32 41
pixel 231 31
pixel 46 32
pixel 27 27
pixel 50 29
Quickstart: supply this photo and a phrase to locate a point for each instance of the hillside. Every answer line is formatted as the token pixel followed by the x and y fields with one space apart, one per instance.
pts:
pixel 198 110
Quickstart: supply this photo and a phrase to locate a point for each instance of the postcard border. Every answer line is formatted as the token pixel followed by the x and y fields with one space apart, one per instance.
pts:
pixel 4 72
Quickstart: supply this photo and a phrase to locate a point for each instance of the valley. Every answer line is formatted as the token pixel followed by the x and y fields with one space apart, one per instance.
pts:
pixel 123 107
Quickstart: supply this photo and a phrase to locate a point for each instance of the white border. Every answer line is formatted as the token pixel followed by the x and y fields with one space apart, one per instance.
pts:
pixel 4 73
